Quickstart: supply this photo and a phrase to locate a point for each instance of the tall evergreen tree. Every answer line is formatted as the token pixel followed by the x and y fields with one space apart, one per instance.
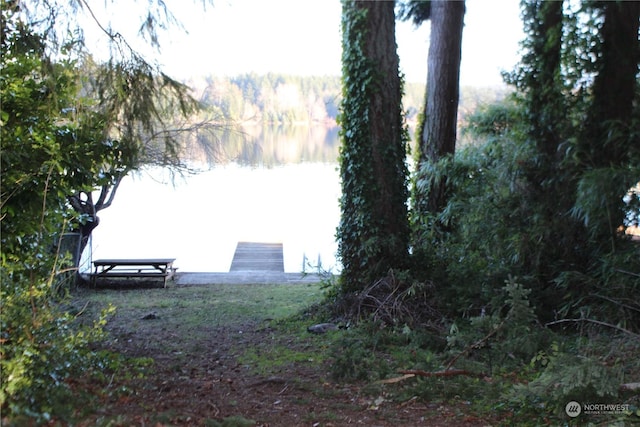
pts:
pixel 577 83
pixel 373 231
pixel 608 147
pixel 545 98
pixel 438 135
pixel 437 130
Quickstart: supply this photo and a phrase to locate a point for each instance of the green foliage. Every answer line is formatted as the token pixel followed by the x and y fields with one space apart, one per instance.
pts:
pixel 110 117
pixel 578 87
pixel 49 151
pixel 44 155
pixel 43 349
pixel 496 228
pixel 504 339
pixel 543 192
pixel 53 146
pixel 354 361
pixel 564 377
pixel 416 10
pixel 606 292
pixel 512 366
pixel 592 205
pixel 372 350
pixel 488 235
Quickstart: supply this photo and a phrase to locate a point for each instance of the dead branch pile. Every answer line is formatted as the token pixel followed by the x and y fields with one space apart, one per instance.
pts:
pixel 393 301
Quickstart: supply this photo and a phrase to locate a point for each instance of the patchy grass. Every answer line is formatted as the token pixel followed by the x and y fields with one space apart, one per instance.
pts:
pixel 214 305
pixel 241 354
pixel 175 318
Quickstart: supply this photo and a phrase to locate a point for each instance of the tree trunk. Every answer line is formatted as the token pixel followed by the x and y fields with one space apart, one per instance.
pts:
pixel 84 205
pixel 608 136
pixel 443 92
pixel 387 143
pixel 373 233
pixel 615 83
pixel 547 103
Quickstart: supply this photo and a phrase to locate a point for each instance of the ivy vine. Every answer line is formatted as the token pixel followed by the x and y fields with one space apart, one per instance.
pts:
pixel 373 230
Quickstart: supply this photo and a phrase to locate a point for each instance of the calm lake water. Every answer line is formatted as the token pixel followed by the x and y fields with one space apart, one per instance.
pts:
pixel 282 186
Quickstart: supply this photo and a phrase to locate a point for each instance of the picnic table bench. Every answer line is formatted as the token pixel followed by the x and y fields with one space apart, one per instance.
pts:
pixel 133 268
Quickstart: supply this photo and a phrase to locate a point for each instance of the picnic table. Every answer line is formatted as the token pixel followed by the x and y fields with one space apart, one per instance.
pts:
pixel 133 268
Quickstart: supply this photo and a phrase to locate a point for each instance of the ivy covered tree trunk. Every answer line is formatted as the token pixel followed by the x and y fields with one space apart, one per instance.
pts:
pixel 438 138
pixel 374 229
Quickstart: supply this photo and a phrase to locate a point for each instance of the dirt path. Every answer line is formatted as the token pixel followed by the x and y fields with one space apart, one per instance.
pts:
pixel 200 374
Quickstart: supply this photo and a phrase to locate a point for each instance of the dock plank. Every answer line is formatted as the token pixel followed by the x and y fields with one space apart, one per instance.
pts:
pixel 256 256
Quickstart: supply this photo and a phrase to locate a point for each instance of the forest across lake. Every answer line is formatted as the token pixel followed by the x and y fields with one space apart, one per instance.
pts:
pixel 286 99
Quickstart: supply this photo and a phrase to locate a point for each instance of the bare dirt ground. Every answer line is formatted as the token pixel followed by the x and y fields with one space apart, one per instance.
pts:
pixel 200 376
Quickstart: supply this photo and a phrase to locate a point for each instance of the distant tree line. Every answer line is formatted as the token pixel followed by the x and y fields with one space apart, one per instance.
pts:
pixel 287 99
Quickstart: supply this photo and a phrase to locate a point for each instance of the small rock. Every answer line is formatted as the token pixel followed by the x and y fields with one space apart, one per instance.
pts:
pixel 322 328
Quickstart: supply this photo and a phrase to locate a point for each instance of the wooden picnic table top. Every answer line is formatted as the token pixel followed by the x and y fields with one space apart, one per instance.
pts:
pixel 134 261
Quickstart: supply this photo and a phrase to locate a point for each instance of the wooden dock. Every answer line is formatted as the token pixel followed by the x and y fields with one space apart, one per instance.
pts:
pixel 254 256
pixel 253 263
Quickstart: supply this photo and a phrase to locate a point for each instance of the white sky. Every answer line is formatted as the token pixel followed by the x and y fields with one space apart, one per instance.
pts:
pixel 302 37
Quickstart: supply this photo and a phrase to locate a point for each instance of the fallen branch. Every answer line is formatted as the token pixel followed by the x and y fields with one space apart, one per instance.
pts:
pixel 476 344
pixel 445 373
pixel 596 322
pixel 396 379
pixel 412 373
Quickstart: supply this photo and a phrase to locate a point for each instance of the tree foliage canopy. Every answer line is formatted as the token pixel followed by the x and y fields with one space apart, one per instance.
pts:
pixel 70 126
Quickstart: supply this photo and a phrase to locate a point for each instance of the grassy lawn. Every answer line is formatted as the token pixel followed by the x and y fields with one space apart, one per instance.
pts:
pixel 177 317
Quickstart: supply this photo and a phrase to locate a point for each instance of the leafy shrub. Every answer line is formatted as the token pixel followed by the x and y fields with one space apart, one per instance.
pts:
pixel 499 221
pixel 49 152
pixel 488 233
pixel 43 349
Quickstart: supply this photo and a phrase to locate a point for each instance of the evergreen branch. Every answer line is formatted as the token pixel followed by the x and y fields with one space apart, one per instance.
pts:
pixel 117 38
pixel 596 322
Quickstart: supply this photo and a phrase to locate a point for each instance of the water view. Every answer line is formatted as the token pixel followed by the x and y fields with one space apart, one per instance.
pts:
pixel 281 185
